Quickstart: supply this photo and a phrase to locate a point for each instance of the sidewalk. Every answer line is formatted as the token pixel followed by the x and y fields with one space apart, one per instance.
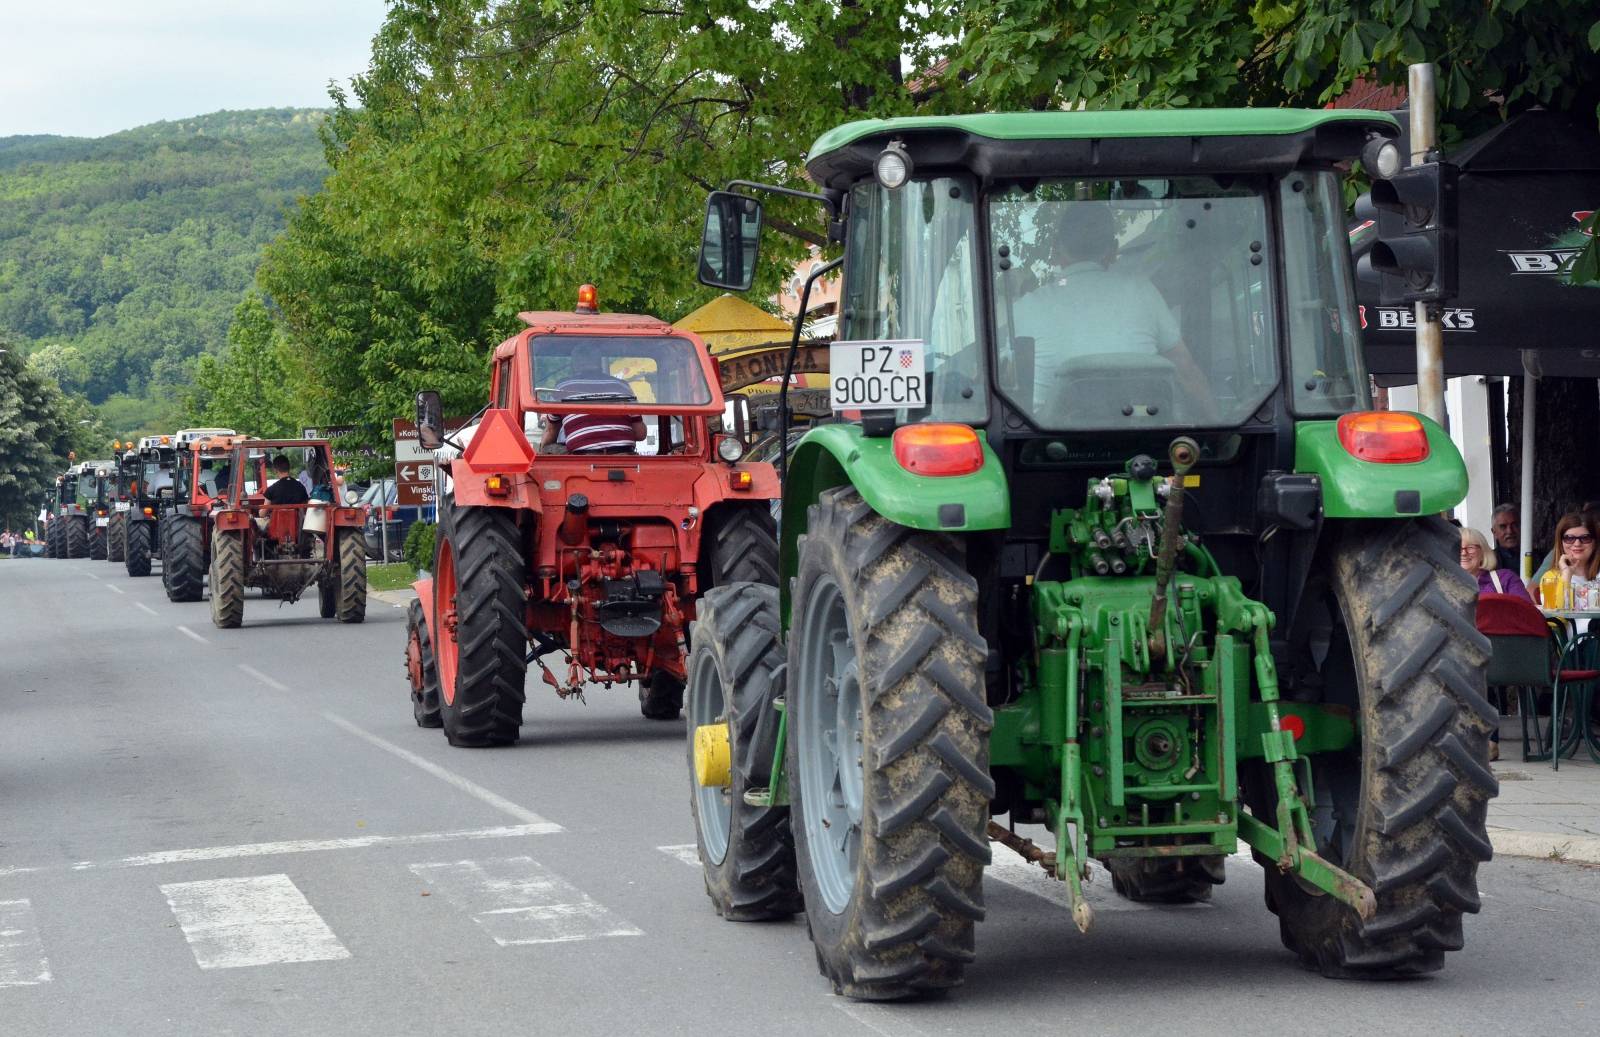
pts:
pixel 1544 813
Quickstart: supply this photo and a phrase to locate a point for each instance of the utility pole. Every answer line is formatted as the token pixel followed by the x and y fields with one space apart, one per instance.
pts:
pixel 1430 329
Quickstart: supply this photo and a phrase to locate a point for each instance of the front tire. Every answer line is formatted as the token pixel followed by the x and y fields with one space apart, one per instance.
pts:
pixel 480 581
pixel 98 545
pixel 1405 809
pixel 422 671
pixel 888 751
pixel 660 696
pixel 227 579
pixel 183 559
pixel 351 606
pixel 735 676
pixel 117 536
pixel 76 540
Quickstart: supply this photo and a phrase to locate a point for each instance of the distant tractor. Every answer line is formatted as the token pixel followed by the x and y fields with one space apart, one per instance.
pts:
pixel 123 478
pixel 98 491
pixel 284 539
pixel 72 518
pixel 594 541
pixel 201 457
pixel 1115 549
pixel 150 490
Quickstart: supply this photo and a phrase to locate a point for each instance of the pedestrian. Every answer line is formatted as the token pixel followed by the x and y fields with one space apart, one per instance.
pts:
pixel 1506 527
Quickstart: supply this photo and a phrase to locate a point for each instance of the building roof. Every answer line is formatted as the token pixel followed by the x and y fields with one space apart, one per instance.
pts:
pixel 728 323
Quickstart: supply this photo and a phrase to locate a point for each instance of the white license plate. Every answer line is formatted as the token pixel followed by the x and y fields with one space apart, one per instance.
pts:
pixel 102 521
pixel 877 375
pixel 123 505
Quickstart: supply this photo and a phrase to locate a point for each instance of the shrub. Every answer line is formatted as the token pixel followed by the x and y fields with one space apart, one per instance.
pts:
pixel 419 545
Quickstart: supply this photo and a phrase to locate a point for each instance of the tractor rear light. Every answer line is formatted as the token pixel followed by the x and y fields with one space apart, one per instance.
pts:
pixel 740 480
pixel 1294 725
pixel 150 512
pixel 938 448
pixel 1384 436
pixel 495 484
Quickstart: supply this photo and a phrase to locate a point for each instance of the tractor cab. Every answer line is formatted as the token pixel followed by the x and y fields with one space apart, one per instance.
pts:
pixel 1109 542
pixel 148 475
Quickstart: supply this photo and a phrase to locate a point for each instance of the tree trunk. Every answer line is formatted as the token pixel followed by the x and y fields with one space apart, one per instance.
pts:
pixel 1567 424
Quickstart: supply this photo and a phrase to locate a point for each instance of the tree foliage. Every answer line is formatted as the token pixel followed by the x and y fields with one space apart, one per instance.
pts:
pixel 246 387
pixel 38 426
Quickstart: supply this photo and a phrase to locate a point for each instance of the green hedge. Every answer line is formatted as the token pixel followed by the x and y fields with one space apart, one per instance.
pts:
pixel 419 545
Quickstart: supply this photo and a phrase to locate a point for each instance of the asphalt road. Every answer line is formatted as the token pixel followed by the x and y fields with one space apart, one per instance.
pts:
pixel 242 832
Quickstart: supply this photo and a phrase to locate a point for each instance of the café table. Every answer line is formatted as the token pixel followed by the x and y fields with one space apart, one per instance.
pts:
pixel 1578 654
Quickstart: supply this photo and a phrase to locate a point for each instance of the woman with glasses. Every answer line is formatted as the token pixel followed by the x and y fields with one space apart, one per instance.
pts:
pixel 1576 557
pixel 1479 559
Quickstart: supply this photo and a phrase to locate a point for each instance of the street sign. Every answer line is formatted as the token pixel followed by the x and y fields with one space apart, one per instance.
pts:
pixel 406 447
pixel 413 482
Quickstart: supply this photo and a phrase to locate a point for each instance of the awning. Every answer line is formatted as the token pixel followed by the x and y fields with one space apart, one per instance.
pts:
pixel 1523 188
pixel 750 346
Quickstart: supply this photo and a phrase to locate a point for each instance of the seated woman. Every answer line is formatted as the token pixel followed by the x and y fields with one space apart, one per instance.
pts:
pixel 1478 559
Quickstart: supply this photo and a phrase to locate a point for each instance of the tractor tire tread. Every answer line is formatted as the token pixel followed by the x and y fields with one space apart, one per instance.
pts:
pixel 743 539
pixel 183 562
pixel 227 579
pixel 491 598
pixel 136 556
pixel 424 701
pixel 351 603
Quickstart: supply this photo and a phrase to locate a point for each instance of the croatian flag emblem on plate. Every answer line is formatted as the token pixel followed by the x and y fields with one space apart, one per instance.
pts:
pixel 907 358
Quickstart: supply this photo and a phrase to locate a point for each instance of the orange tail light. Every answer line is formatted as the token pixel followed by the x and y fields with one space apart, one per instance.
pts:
pixel 1384 436
pixel 938 449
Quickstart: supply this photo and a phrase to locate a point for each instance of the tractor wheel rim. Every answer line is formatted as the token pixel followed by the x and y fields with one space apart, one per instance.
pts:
pixel 446 647
pixel 828 743
pixel 713 806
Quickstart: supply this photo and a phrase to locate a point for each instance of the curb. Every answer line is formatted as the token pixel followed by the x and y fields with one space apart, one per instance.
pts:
pixel 399 599
pixel 1581 849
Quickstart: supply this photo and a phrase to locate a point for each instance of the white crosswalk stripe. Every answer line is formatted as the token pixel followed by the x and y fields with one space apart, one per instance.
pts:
pixel 688 853
pixel 259 920
pixel 22 960
pixel 518 901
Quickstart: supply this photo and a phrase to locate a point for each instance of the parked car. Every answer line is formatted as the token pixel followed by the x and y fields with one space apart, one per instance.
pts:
pixel 398 517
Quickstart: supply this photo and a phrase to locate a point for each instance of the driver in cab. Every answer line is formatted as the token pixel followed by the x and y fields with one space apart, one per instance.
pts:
pixel 1088 308
pixel 285 489
pixel 598 433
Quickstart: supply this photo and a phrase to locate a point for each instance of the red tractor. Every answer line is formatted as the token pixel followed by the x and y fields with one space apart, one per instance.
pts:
pixel 202 459
pixel 279 524
pixel 583 515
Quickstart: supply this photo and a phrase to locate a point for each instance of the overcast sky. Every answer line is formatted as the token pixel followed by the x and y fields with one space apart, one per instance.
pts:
pixel 91 67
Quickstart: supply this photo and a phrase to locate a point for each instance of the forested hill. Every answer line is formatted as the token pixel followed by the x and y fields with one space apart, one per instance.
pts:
pixel 122 257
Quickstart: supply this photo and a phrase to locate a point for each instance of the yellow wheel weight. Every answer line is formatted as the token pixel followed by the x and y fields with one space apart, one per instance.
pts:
pixel 712 758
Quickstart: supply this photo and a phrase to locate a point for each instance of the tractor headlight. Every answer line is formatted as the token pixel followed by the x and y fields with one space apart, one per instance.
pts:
pixel 1380 158
pixel 730 449
pixel 893 166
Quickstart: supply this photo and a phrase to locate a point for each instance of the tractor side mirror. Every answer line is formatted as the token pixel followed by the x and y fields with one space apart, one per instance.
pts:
pixel 430 420
pixel 730 242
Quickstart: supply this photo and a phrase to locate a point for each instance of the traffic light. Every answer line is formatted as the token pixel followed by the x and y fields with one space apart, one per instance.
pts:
pixel 1415 254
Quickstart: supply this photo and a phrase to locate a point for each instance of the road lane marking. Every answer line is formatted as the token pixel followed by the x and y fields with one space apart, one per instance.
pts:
pixel 91 576
pixel 147 608
pixel 22 960
pixel 518 902
pixel 686 853
pixel 291 846
pixel 114 589
pixel 879 1019
pixel 258 920
pixel 263 678
pixel 471 788
pixel 186 632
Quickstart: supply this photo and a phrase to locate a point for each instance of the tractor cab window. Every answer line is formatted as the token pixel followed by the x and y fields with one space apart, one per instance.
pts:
pixel 1324 344
pixel 69 489
pixel 909 274
pixel 155 479
pixel 632 371
pixel 1132 304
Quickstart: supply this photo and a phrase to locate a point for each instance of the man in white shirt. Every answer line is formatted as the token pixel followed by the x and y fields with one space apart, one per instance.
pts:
pixel 1086 308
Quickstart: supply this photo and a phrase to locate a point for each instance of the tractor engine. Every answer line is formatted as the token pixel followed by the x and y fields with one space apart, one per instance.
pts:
pixel 611 601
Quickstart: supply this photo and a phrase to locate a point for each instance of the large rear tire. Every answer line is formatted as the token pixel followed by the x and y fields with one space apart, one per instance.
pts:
pixel 479 579
pixel 736 674
pixel 117 536
pixel 1405 809
pixel 183 560
pixel 888 751
pixel 136 559
pixel 227 579
pixel 351 606
pixel 98 541
pixel 52 539
pixel 76 539
pixel 422 671
pixel 660 696
pixel 743 543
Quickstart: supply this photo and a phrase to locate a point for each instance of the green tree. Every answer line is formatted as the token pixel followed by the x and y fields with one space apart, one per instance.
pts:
pixel 246 387
pixel 37 429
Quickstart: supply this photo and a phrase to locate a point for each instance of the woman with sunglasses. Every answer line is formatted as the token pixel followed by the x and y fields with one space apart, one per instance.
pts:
pixel 1576 557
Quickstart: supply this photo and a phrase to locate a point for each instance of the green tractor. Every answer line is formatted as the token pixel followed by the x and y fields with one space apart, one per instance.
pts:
pixel 1110 545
